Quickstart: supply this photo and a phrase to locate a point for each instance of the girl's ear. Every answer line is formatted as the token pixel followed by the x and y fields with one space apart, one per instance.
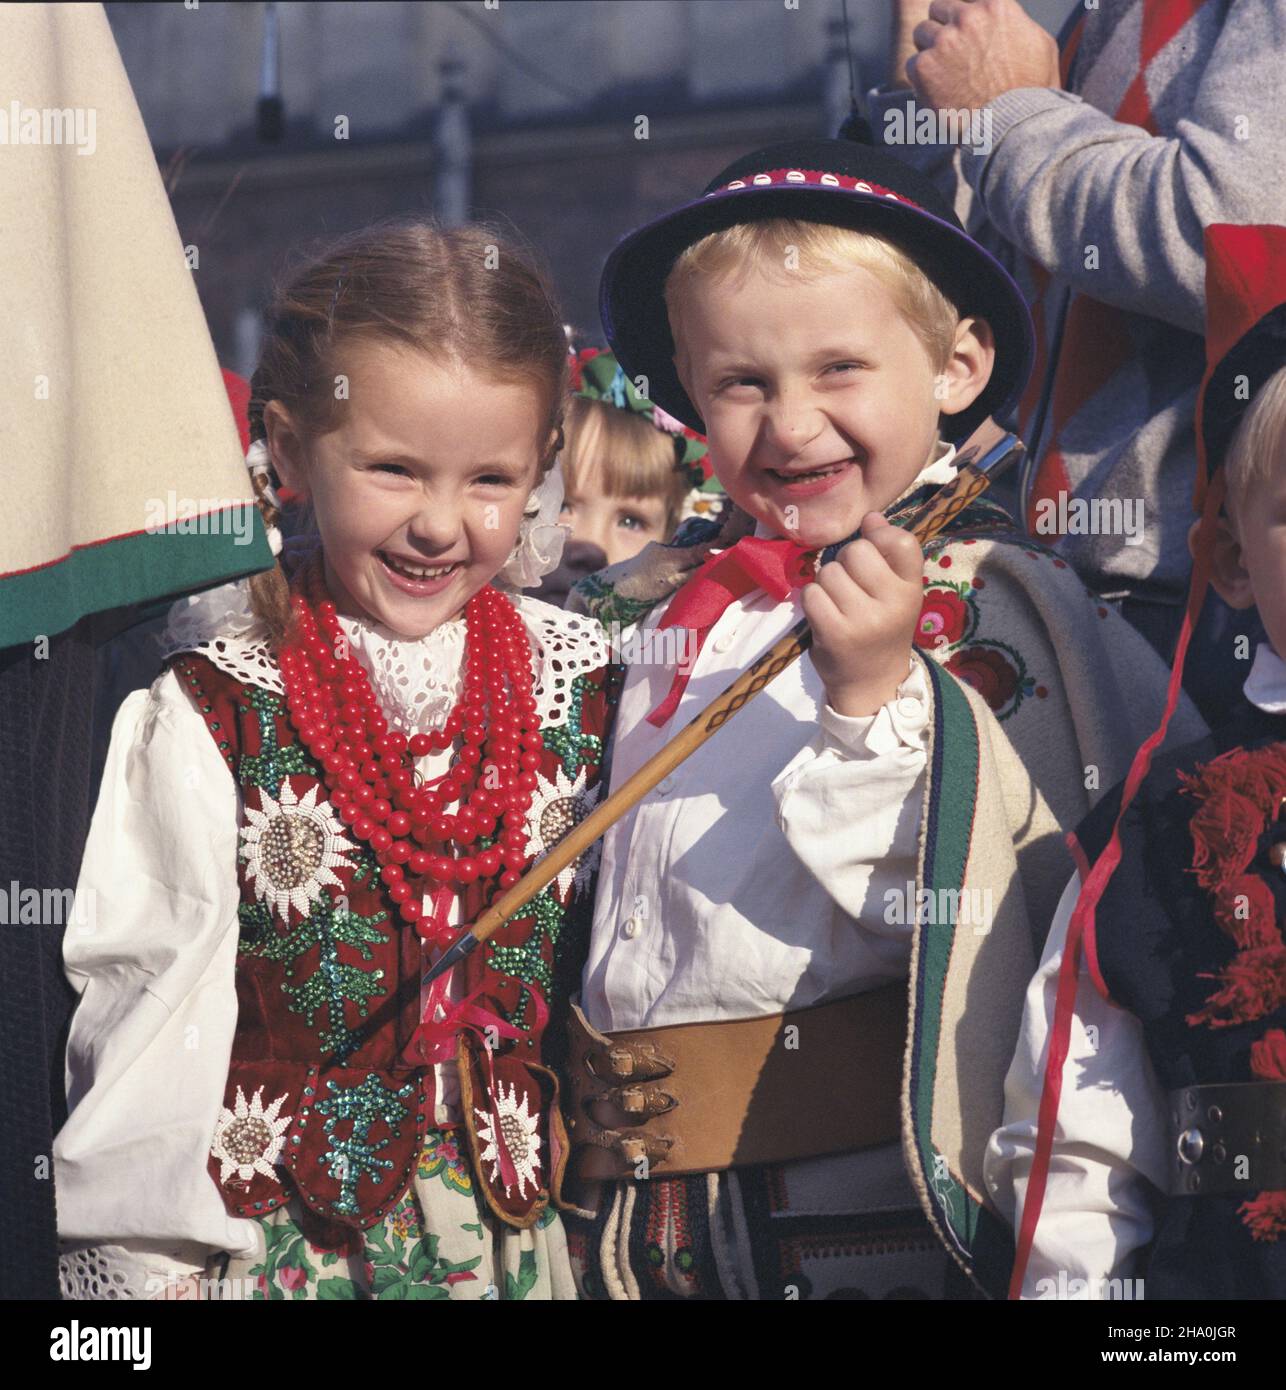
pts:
pixel 1228 573
pixel 554 446
pixel 969 370
pixel 286 446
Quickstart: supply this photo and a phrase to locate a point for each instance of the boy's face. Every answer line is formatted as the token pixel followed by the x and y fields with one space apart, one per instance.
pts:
pixel 1248 567
pixel 820 401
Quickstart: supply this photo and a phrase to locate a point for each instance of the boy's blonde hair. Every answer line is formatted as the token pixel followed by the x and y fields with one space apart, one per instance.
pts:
pixel 1258 448
pixel 632 456
pixel 791 248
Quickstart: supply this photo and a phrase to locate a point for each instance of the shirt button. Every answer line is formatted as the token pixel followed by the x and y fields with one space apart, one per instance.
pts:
pixel 665 786
pixel 908 706
pixel 721 644
pixel 632 927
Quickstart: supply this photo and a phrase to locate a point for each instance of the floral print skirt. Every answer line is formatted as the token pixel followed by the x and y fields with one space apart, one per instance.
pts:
pixel 440 1241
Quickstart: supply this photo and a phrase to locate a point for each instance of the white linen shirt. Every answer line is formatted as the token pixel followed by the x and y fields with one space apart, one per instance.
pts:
pixel 1109 1159
pixel 758 876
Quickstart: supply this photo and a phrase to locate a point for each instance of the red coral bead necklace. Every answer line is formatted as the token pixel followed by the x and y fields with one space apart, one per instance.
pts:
pixel 366 768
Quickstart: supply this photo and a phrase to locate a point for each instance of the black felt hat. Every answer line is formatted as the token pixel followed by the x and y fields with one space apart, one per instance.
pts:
pixel 841 183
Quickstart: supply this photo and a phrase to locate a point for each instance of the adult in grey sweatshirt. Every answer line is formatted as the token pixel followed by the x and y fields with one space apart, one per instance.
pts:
pixel 1092 172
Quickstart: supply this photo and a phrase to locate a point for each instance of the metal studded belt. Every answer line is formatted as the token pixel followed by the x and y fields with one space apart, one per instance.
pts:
pixel 1228 1139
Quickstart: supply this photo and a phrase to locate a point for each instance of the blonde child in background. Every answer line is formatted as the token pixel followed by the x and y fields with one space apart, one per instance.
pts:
pixel 631 473
pixel 1149 1160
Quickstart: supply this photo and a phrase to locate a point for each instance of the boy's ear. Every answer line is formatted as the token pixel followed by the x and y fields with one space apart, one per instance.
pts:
pixel 286 447
pixel 681 371
pixel 1228 573
pixel 969 370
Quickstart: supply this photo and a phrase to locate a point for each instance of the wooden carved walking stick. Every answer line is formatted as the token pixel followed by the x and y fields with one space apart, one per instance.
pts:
pixel 973 478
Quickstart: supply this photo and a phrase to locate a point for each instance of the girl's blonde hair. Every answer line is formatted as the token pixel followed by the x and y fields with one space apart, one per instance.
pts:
pixel 632 457
pixel 1258 448
pixel 468 294
pixel 790 248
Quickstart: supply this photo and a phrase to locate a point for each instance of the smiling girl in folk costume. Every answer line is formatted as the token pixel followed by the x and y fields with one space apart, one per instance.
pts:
pixel 331 774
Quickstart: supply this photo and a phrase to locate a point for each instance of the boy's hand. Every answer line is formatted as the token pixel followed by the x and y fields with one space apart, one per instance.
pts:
pixel 862 609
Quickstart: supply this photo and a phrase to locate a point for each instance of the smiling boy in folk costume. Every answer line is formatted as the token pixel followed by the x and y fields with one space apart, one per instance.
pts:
pixel 1164 979
pixel 748 1128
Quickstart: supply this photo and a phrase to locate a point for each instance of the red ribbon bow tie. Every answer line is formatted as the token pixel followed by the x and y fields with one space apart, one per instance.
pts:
pixel 776 566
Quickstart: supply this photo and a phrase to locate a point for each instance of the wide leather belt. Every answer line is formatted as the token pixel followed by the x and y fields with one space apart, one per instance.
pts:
pixel 1228 1138
pixel 701 1097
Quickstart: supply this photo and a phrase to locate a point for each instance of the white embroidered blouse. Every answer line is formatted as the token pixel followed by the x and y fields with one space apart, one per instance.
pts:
pixel 153 952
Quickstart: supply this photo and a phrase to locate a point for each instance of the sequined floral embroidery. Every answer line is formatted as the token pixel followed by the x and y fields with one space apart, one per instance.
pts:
pixel 509 1124
pixel 291 847
pixel 249 1138
pixel 555 808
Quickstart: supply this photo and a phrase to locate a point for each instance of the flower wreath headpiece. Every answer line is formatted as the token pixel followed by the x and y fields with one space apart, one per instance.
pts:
pixel 598 376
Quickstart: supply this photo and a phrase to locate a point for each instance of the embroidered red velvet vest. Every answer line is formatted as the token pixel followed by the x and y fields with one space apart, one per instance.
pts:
pixel 321 1098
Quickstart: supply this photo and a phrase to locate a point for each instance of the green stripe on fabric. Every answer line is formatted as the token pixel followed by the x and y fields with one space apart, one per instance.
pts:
pixel 134 569
pixel 953 797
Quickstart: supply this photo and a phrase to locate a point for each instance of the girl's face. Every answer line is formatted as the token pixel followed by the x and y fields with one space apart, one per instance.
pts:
pixel 604 529
pixel 419 492
pixel 617 527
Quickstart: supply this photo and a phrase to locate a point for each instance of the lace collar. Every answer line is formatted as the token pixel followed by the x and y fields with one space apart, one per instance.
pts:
pixel 418 682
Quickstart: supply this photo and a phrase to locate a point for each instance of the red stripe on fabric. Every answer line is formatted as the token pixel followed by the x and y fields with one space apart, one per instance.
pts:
pixel 1136 106
pixel 1051 1094
pixel 1050 481
pixel 1096 345
pixel 1092 890
pixel 1068 56
pixel 1077 851
pixel 1162 20
pixel 1090 942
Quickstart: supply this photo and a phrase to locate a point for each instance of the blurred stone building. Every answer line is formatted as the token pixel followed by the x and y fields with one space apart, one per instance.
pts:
pixel 571 121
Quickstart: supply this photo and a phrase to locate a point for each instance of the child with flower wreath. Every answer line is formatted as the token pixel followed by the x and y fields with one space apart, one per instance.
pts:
pixel 1143 1149
pixel 631 473
pixel 335 772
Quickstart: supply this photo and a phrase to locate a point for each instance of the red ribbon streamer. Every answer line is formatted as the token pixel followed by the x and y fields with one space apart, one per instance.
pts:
pixel 755 562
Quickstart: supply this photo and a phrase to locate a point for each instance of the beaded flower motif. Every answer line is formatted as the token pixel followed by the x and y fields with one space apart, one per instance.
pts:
pixel 291 847
pixel 555 808
pixel 248 1139
pixel 511 1125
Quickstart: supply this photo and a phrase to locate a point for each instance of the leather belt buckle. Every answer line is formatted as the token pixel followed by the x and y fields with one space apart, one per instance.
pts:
pixel 622 1061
